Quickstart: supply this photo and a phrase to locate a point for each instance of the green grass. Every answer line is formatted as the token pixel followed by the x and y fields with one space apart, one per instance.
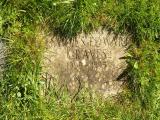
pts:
pixel 21 23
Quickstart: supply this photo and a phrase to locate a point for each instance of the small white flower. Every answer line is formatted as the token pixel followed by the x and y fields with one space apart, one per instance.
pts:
pixel 94 4
pixel 54 4
pixel 18 94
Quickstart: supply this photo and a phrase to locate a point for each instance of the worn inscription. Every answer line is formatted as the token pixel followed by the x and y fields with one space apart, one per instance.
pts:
pixel 91 61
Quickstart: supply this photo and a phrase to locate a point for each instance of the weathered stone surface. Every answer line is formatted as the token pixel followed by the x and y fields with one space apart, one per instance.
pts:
pixel 91 61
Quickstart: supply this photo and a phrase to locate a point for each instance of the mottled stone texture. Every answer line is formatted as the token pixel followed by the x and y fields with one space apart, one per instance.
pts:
pixel 91 61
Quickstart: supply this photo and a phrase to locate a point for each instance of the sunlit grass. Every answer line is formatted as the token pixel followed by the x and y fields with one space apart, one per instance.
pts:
pixel 21 22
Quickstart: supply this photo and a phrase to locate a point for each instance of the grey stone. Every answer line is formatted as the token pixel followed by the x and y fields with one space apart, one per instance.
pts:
pixel 92 58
